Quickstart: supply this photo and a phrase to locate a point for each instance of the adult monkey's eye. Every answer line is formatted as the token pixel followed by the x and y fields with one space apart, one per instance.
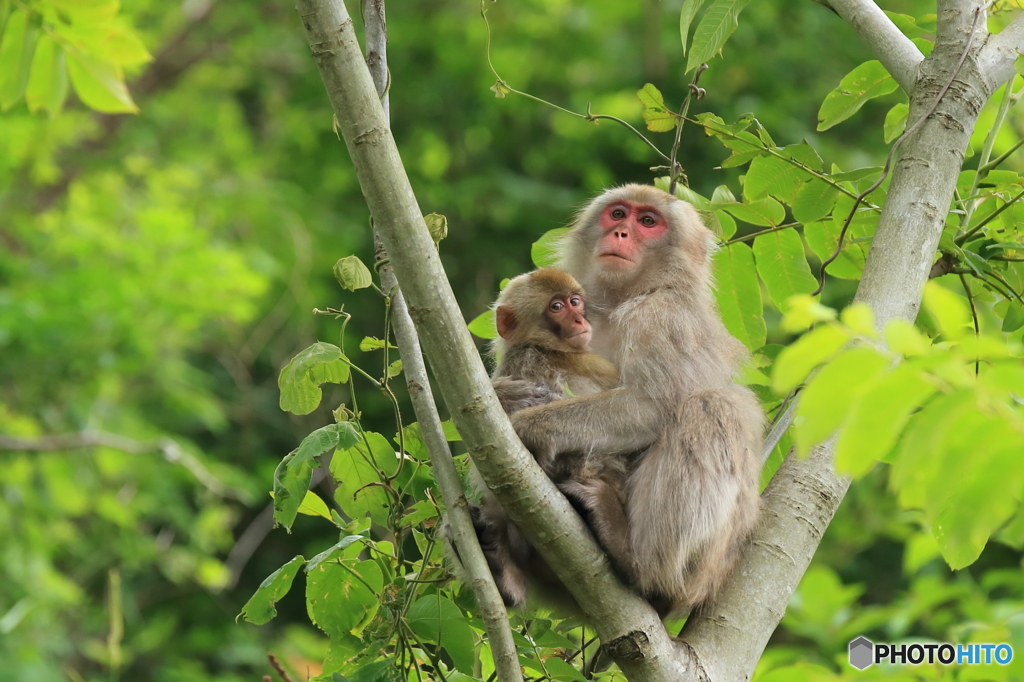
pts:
pixel 648 221
pixel 618 214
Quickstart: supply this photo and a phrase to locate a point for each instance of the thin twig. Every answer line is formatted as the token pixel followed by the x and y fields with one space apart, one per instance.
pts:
pixel 285 677
pixel 974 316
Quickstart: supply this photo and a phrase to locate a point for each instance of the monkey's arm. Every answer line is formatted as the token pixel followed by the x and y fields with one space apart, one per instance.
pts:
pixel 620 420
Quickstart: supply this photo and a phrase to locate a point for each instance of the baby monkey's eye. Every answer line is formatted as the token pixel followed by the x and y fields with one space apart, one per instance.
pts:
pixel 556 306
pixel 575 301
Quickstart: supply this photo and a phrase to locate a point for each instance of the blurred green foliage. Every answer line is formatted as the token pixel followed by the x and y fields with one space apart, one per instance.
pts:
pixel 157 273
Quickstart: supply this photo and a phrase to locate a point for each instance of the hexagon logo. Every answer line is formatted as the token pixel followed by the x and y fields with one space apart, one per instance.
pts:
pixel 861 653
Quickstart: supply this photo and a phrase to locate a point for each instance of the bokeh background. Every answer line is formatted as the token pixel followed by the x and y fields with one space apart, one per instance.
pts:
pixel 158 270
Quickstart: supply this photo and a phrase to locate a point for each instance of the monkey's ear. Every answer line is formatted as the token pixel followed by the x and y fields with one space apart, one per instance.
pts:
pixel 505 321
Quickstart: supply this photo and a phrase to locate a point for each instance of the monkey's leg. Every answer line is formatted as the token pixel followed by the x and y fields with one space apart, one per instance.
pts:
pixel 694 494
pixel 602 504
pixel 506 552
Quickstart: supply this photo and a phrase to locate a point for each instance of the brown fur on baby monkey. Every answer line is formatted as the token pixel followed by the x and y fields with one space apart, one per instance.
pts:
pixel 544 354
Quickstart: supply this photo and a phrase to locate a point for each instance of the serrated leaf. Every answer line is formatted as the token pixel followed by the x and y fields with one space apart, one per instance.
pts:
pixel 714 29
pixel 877 418
pixel 545 251
pixel 99 84
pixel 896 121
pixel 798 359
pixel 260 607
pixel 739 295
pixel 301 378
pixel 686 15
pixel 292 476
pixel 437 225
pixel 358 469
pixel 17 47
pixel 765 212
pixel 826 400
pixel 867 81
pixel 651 97
pixel 484 326
pixel 341 594
pixel 660 120
pixel 352 274
pixel 782 265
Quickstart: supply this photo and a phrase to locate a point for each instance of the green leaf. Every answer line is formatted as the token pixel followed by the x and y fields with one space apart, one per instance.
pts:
pixel 686 15
pixel 826 400
pixel 544 252
pixel 394 369
pixel 650 97
pixel 341 593
pixel 877 418
pixel 16 50
pixel 358 473
pixel 352 274
pixel 1014 318
pixel 660 120
pixel 782 265
pixel 436 619
pixel 823 237
pixel 451 432
pixel 739 295
pixel 949 310
pixel 301 378
pixel 797 360
pixel 312 505
pixel 372 343
pixel 727 226
pixel 48 82
pixel 714 29
pixel 292 476
pixel 100 84
pixel 774 176
pixel 765 212
pixel 260 607
pixel 813 200
pixel 865 82
pixel 484 326
pixel 437 226
pixel 896 121
pixel 983 498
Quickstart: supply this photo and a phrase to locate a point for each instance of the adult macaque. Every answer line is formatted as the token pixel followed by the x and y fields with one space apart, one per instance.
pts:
pixel 544 355
pixel 643 257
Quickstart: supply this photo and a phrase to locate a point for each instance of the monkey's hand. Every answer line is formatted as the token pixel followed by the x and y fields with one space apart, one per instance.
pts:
pixel 518 394
pixel 533 429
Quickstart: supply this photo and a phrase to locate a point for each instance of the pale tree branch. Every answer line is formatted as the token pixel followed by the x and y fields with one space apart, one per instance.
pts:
pixel 896 51
pixel 478 574
pixel 625 622
pixel 997 57
pixel 730 634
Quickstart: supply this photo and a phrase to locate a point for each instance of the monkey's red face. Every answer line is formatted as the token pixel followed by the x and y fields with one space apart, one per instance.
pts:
pixel 567 314
pixel 626 230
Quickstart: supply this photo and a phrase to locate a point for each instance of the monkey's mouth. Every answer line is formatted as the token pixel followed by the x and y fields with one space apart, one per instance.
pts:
pixel 611 254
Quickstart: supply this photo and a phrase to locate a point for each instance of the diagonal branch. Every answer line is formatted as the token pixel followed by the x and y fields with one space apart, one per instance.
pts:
pixel 997 57
pixel 896 51
pixel 625 622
